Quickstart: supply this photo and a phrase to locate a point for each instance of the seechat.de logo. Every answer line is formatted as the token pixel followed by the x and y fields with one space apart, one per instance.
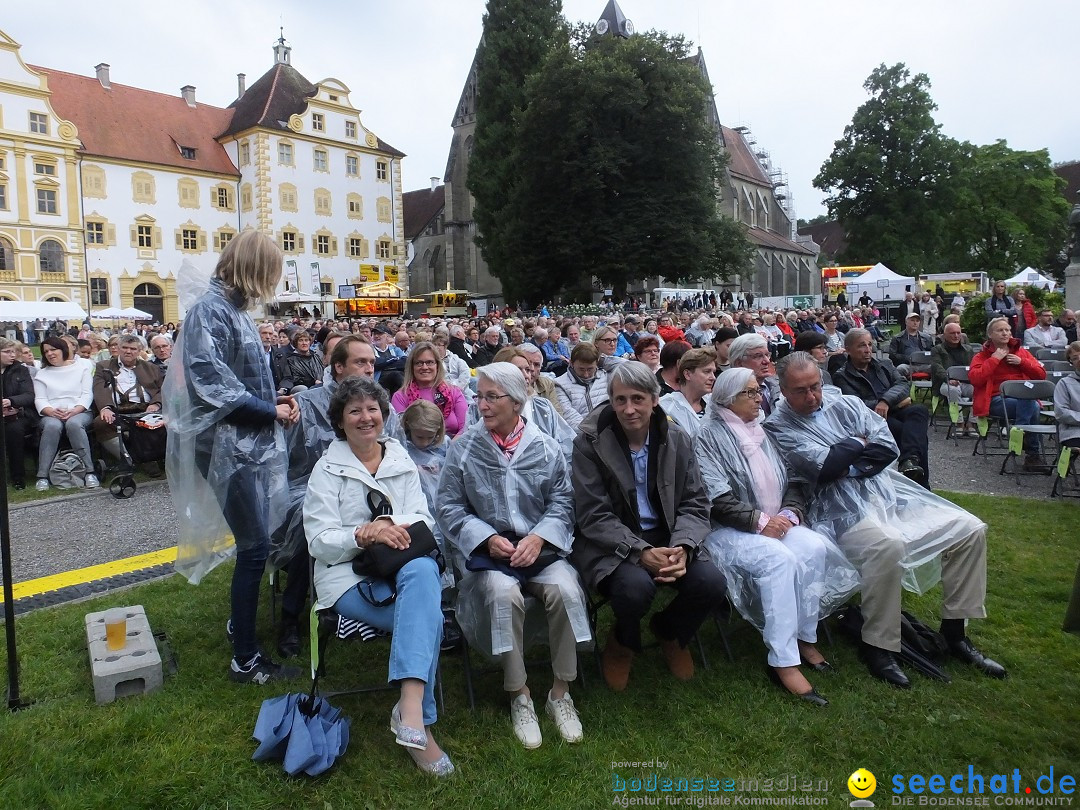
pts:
pixel 862 785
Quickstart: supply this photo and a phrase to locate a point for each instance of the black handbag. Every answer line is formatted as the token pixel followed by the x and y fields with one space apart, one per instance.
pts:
pixel 481 560
pixel 379 561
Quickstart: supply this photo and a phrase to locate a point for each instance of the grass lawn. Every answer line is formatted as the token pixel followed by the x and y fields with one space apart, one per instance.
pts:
pixel 189 745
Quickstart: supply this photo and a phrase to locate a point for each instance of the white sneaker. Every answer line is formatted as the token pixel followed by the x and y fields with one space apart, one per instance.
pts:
pixel 565 716
pixel 42 485
pixel 92 481
pixel 523 718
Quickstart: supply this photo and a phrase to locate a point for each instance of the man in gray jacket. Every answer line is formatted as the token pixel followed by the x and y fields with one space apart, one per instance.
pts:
pixel 885 392
pixel 642 517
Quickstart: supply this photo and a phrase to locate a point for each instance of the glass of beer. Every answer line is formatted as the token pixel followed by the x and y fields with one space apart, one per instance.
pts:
pixel 116 628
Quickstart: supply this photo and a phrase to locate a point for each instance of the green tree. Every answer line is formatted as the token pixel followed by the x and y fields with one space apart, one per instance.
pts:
pixel 888 177
pixel 1009 210
pixel 617 169
pixel 518 35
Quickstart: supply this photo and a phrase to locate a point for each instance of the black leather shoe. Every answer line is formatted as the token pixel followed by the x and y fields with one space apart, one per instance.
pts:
pixel 967 652
pixel 820 666
pixel 883 666
pixel 813 697
pixel 288 641
pixel 911 469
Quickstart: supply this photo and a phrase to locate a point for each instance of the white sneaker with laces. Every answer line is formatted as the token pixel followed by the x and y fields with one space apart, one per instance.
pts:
pixel 92 481
pixel 565 716
pixel 42 485
pixel 523 718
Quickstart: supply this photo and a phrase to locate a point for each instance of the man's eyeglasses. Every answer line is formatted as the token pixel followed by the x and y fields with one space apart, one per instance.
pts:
pixel 492 399
pixel 758 356
pixel 802 392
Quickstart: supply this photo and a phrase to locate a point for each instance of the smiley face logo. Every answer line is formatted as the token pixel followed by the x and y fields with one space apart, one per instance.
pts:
pixel 862 784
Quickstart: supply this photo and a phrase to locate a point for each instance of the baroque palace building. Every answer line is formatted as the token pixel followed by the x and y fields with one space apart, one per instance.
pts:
pixel 442 232
pixel 106 190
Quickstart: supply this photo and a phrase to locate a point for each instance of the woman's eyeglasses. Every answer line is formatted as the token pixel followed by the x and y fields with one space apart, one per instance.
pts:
pixel 751 393
pixel 492 399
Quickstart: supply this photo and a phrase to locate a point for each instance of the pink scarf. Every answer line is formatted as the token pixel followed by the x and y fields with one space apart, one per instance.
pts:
pixel 440 396
pixel 750 437
pixel 510 444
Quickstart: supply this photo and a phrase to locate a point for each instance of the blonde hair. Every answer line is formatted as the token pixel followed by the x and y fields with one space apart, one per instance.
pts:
pixel 424 346
pixel 694 359
pixel 250 266
pixel 424 415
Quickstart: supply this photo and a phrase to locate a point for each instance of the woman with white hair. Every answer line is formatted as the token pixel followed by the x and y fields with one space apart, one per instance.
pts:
pixel 781 575
pixel 506 505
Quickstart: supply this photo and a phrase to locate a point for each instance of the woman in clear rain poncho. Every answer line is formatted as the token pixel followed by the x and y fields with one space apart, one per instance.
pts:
pixel 888 526
pixel 782 576
pixel 226 456
pixel 538 409
pixel 697 374
pixel 506 506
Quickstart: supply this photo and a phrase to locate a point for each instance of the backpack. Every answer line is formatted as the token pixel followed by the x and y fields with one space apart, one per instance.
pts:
pixel 68 471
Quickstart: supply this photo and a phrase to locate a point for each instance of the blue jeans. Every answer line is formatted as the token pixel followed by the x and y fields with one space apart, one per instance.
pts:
pixel 75 428
pixel 414 618
pixel 1021 412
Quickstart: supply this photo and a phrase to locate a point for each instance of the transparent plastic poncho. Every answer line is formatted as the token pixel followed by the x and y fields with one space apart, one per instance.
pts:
pixel 429 463
pixel 724 469
pixel 929 524
pixel 540 412
pixel 217 362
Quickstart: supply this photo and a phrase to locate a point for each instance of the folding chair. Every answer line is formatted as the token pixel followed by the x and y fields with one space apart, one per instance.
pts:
pixel 1048 355
pixel 960 411
pixel 327 624
pixel 920 363
pixel 1066 468
pixel 1027 390
pixel 1056 365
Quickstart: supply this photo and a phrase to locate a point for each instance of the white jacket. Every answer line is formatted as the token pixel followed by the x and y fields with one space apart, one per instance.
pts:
pixel 577 398
pixel 336 503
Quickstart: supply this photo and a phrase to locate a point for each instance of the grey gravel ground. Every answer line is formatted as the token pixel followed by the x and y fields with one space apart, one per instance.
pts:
pixel 48 537
pixel 87 529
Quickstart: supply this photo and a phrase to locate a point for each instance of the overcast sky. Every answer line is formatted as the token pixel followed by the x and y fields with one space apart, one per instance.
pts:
pixel 792 70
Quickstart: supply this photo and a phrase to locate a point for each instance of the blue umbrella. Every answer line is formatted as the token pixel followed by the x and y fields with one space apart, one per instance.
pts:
pixel 304 731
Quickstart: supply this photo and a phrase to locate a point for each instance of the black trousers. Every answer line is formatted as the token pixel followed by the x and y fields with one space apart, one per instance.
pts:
pixel 910 427
pixel 15 438
pixel 630 589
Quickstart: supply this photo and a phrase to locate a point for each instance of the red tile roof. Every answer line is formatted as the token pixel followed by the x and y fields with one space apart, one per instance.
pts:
pixel 774 241
pixel 128 123
pixel 420 207
pixel 829 236
pixel 743 163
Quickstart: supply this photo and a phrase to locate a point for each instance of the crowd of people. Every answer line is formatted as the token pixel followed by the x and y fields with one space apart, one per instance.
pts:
pixel 75 391
pixel 772 460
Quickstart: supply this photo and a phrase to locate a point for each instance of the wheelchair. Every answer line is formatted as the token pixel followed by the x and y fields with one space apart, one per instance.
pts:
pixel 142 437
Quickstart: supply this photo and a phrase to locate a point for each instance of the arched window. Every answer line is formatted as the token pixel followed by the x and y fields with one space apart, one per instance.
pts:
pixel 52 256
pixel 7 255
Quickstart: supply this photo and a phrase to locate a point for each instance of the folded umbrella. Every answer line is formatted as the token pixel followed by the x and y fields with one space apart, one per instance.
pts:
pixel 304 731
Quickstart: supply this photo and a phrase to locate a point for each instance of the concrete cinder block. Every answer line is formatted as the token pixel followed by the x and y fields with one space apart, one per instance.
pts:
pixel 134 670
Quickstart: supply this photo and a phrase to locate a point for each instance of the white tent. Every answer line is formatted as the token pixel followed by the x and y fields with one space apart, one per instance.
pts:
pixel 113 313
pixel 133 314
pixel 46 310
pixel 881 283
pixel 1028 276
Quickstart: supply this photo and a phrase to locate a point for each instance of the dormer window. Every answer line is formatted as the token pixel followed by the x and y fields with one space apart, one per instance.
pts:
pixel 187 152
pixel 318 123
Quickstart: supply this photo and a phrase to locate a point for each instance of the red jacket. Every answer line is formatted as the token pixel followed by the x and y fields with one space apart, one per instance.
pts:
pixel 785 327
pixel 1027 313
pixel 670 333
pixel 987 373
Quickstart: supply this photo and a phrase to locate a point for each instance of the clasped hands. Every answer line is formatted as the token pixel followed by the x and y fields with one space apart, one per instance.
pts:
pixel 664 563
pixel 385 531
pixel 288 412
pixel 522 555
